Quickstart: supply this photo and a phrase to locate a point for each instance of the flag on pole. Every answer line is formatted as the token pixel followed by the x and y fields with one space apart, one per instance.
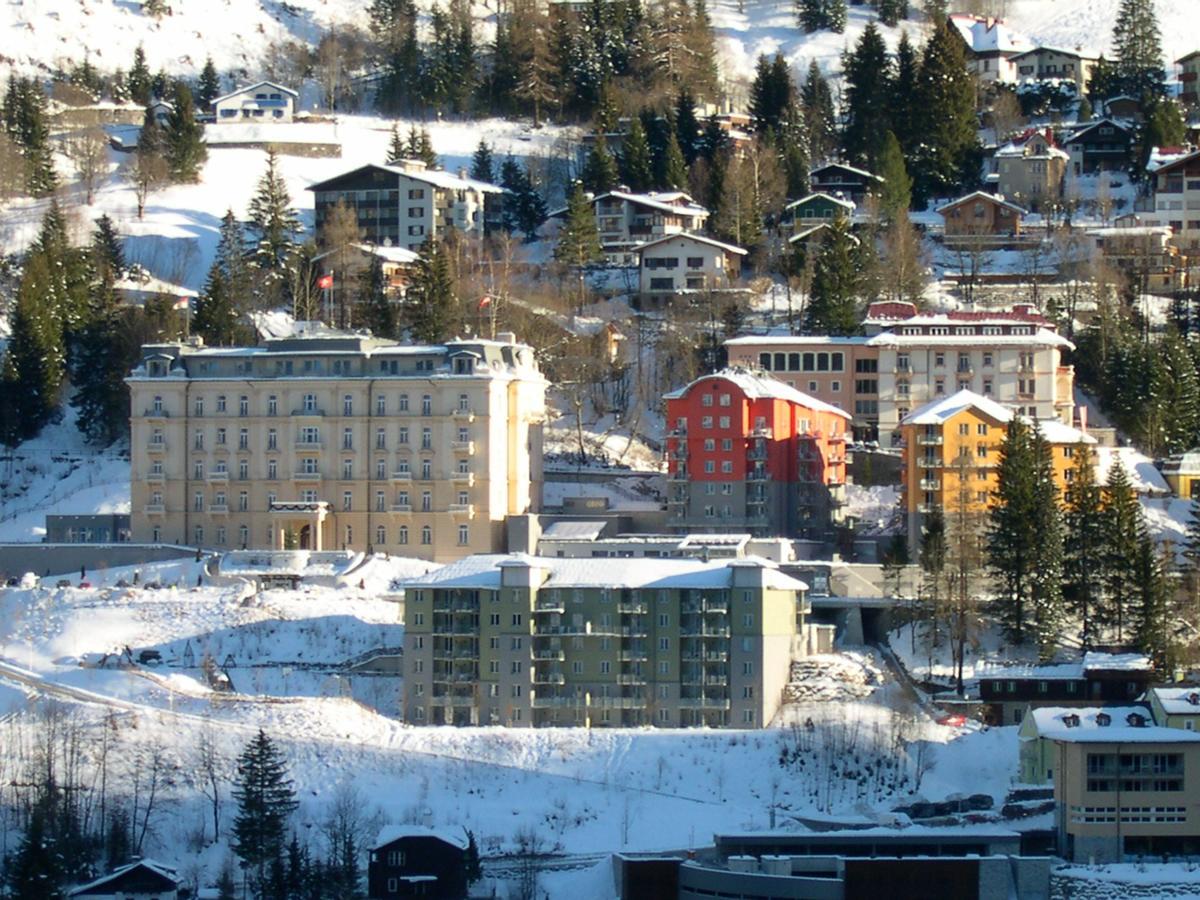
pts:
pixel 182 303
pixel 485 300
pixel 325 281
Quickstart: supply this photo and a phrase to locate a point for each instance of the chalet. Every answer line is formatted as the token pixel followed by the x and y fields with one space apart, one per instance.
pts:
pixel 398 264
pixel 411 861
pixel 1007 691
pixel 263 101
pixel 989 46
pixel 1189 78
pixel 141 880
pixel 626 219
pixel 1030 169
pixel 1176 707
pixel 817 208
pixel 840 179
pixel 1177 198
pixel 1037 752
pixel 810 238
pixel 1102 146
pixel 1182 473
pixel 404 205
pixel 161 111
pixel 1124 107
pixel 1055 64
pixel 687 262
pixel 980 214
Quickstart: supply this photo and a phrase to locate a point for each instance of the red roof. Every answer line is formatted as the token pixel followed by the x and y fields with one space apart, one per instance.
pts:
pixel 891 309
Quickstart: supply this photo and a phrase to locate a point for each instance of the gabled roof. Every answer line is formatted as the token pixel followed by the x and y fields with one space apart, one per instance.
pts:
pixel 158 869
pixel 982 195
pixel 1076 135
pixel 690 236
pixel 939 411
pixel 986 35
pixel 390 833
pixel 256 86
pixel 813 229
pixel 666 201
pixel 1187 56
pixel 1177 161
pixel 1051 720
pixel 758 385
pixel 399 255
pixel 821 195
pixel 1016 147
pixel 1177 701
pixel 1077 52
pixel 434 177
pixel 847 167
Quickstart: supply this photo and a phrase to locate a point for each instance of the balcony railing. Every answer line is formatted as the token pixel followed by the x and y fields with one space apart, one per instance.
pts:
pixel 154 509
pixel 467 447
pixel 467 478
pixel 401 476
pixel 306 476
pixel 402 508
pixel 930 440
pixel 157 446
pixel 930 484
pixel 462 510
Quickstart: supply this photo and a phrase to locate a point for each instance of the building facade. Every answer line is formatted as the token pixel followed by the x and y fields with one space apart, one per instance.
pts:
pixel 1189 78
pixel 526 641
pixel 412 861
pixel 265 101
pixel 1177 200
pixel 626 220
pixel 406 204
pixel 849 183
pixel 1055 64
pixel 687 262
pixel 1103 146
pixel 1031 169
pixel 335 441
pixel 816 209
pixel 745 451
pixel 980 215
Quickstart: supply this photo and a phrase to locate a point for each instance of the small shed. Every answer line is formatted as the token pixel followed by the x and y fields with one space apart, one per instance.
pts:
pixel 140 880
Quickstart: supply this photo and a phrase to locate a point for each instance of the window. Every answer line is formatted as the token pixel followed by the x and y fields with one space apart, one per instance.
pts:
pixel 426 535
pixel 426 405
pixel 402 536
pixel 309 403
pixel 464 535
pixel 403 434
pixel 272 470
pixel 426 469
pixel 347 469
pixel 404 403
pixel 243 501
pixel 426 438
pixel 347 438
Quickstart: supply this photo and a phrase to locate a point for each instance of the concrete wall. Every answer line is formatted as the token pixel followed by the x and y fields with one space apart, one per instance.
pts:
pixel 66 559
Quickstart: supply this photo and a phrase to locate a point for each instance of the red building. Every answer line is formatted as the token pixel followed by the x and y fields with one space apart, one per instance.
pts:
pixel 748 453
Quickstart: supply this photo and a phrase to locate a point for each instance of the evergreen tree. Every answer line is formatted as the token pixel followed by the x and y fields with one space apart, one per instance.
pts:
pixel 674 168
pixel 1124 528
pixel 472 871
pixel 835 15
pixel 430 301
pixel 944 109
pixel 819 114
pixel 868 107
pixel 208 88
pixel 1164 127
pixel 896 194
pixel 687 126
pixel 378 313
pixel 35 358
pixel 1154 628
pixel 1139 50
pixel 394 26
pixel 600 173
pixel 215 315
pixel 481 163
pixel 184 144
pixel 266 800
pixel 635 168
pixel 1084 558
pixel 107 252
pixel 892 11
pixel 794 152
pixel 904 92
pixel 397 149
pixel 771 94
pixel 579 240
pixel 524 209
pixel 36 869
pixel 837 277
pixel 1011 539
pixel 1046 575
pixel 138 82
pixel 26 122
pixel 811 14
pixel 275 226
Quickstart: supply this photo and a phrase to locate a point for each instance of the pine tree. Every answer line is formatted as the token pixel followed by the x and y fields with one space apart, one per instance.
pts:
pixel 837 276
pixel 397 149
pixel 266 800
pixel 944 109
pixel 430 301
pixel 579 240
pixel 896 194
pixel 687 126
pixel 635 168
pixel 868 107
pixel 26 122
pixel 600 173
pixel 1011 539
pixel 208 88
pixel 904 92
pixel 811 14
pixel 378 313
pixel 481 163
pixel 215 314
pixel 1084 559
pixel 819 114
pixel 794 152
pixel 1124 528
pixel 1154 628
pixel 1046 575
pixel 1139 50
pixel 138 82
pixel 275 226
pixel 184 143
pixel 675 173
pixel 35 357
pixel 771 93
pixel 835 15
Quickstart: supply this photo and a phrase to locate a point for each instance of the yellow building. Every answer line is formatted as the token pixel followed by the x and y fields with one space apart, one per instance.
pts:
pixel 951 448
pixel 1182 473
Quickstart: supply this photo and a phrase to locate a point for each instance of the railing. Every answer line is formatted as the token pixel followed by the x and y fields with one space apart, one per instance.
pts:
pixel 308 445
pixel 549 678
pixel 549 655
pixel 219 509
pixel 930 440
pixel 154 509
pixel 219 477
pixel 929 462
pixel 628 607
pixel 704 703
pixel 467 447
pixel 930 484
pixel 156 446
pixel 462 509
pixel 464 415
pixel 310 413
pixel 761 431
pixel 401 476
pixel 402 508
pixel 549 606
pixel 306 476
pixel 467 478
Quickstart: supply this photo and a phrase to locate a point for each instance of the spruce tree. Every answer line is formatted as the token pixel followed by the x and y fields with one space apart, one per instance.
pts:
pixel 1046 575
pixel 819 114
pixel 687 126
pixel 378 313
pixel 868 106
pixel 524 209
pixel 794 152
pixel 944 119
pixel 811 14
pixel 275 223
pixel 837 278
pixel 1011 538
pixel 904 92
pixel 1084 559
pixel 481 163
pixel 771 93
pixel 1139 50
pixel 675 174
pixel 600 173
pixel 635 168
pixel 835 15
pixel 35 357
pixel 1155 626
pixel 36 869
pixel 138 82
pixel 422 149
pixel 895 196
pixel 397 149
pixel 1124 529
pixel 579 240
pixel 184 143
pixel 892 11
pixel 430 301
pixel 266 799
pixel 208 88
pixel 215 316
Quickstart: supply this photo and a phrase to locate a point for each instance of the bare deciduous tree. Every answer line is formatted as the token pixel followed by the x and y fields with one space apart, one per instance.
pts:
pixel 88 151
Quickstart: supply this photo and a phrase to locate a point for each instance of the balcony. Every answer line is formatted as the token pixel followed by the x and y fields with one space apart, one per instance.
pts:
pixel 550 606
pixel 154 509
pixel 757 454
pixel 467 447
pixel 462 510
pixel 549 655
pixel 619 702
pixel 156 414
pixel 313 413
pixel 218 476
pixel 929 462
pixel 930 440
pixel 930 484
pixel 401 476
pixel 401 509
pixel 306 476
pixel 308 445
pixel 633 656
pixel 219 509
pixel 762 431
pixel 631 679
pixel 679 475
pixel 464 478
pixel 155 478
pixel 156 446
pixel 629 608
pixel 549 678
pixel 555 702
pixel 757 475
pixel 704 702
pixel 902 369
pixel 464 415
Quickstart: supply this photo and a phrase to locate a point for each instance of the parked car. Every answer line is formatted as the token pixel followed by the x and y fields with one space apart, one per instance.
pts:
pixel 150 658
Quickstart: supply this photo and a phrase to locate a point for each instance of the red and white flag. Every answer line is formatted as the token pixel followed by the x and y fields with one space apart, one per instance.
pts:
pixel 182 303
pixel 485 300
pixel 325 281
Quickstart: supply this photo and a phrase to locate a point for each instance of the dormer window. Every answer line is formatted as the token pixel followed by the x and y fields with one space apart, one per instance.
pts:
pixel 1137 720
pixel 1071 720
pixel 1103 720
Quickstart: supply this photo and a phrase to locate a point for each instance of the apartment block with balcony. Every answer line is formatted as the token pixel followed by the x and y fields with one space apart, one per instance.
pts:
pixel 332 441
pixel 526 641
pixel 687 262
pixel 626 220
pixel 406 204
pixel 1177 200
pixel 747 452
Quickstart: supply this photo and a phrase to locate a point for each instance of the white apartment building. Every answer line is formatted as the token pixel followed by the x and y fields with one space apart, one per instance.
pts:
pixel 265 101
pixel 687 262
pixel 626 220
pixel 336 441
pixel 404 205
pixel 1177 200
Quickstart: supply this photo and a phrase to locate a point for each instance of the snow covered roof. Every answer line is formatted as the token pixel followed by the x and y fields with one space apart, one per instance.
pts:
pixel 391 833
pixel 254 87
pixel 574 531
pixel 1187 463
pixel 434 177
pixel 1017 148
pixel 1091 126
pixel 1041 337
pixel 666 201
pixel 155 867
pixel 1143 474
pixel 1050 721
pixel 1178 701
pixel 988 35
pixel 698 238
pixel 821 195
pixel 1057 432
pixel 1166 158
pixel 805 340
pixel 1092 661
pixel 941 410
pixel 813 229
pixel 484 571
pixel 983 195
pixel 399 255
pixel 848 168
pixel 1077 52
pixel 1119 731
pixel 757 385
